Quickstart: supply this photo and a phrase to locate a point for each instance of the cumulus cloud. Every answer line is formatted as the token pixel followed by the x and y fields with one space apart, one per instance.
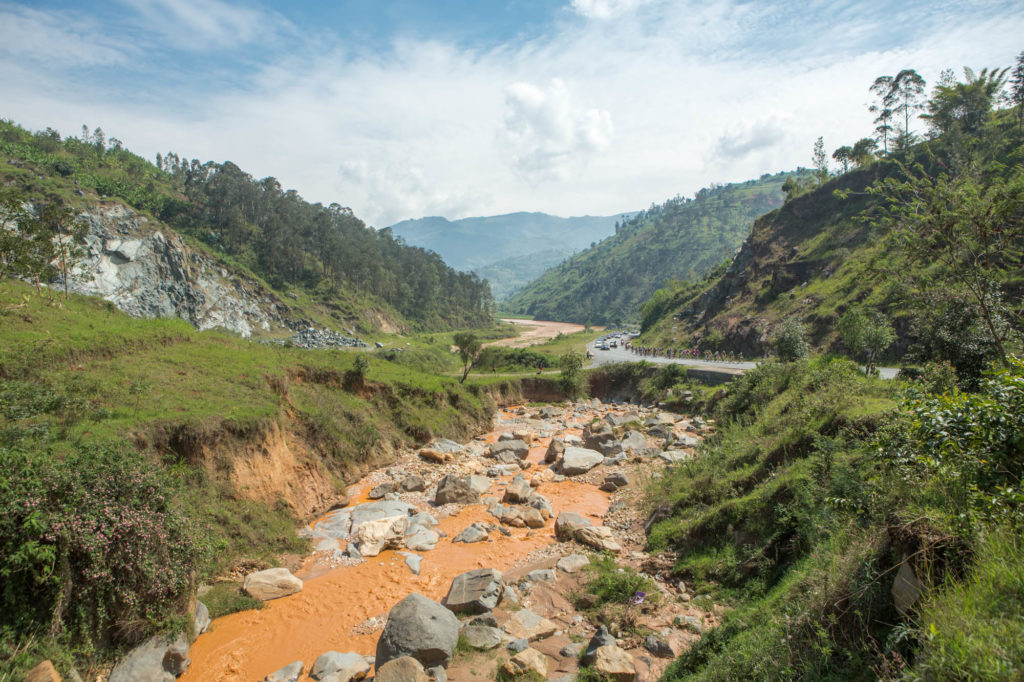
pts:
pixel 550 135
pixel 606 9
pixel 746 139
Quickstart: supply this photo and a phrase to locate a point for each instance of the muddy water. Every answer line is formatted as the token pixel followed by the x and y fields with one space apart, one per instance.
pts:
pixel 248 646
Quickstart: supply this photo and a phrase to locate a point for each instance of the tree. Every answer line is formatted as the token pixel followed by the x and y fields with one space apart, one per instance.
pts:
pixel 1017 90
pixel 469 348
pixel 863 152
pixel 571 379
pixel 907 92
pixel 865 333
pixel 68 233
pixel 965 233
pixel 27 247
pixel 966 105
pixel 883 110
pixel 820 159
pixel 789 340
pixel 844 155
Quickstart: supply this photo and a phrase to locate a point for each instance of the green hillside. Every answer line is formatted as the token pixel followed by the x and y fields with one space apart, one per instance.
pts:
pixel 680 239
pixel 323 252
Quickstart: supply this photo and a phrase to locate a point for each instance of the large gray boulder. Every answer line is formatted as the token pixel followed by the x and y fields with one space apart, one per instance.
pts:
pixel 404 669
pixel 457 490
pixel 158 659
pixel 576 461
pixel 601 638
pixel 289 673
pixel 272 583
pixel 421 539
pixel 482 637
pixel 476 532
pixel 200 618
pixel 567 524
pixel 517 447
pixel 474 592
pixel 421 628
pixel 518 490
pixel 634 441
pixel 555 450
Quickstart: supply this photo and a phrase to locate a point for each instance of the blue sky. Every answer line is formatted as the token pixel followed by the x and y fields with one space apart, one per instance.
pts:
pixel 403 108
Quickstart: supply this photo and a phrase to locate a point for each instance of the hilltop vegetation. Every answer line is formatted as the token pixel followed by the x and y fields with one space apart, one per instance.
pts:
pixel 680 239
pixel 325 252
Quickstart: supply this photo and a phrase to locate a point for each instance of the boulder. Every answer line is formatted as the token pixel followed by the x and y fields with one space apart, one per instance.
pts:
pixel 576 461
pixel 614 664
pixel 601 638
pixel 453 489
pixel 518 490
pixel 403 669
pixel 420 539
pixel 505 436
pixel 526 624
pixel 381 490
pixel 476 532
pixel 413 561
pixel 658 647
pixel 421 628
pixel 158 659
pixel 541 477
pixel 509 516
pixel 445 445
pixel 572 563
pixel 480 484
pixel 567 524
pixel 610 448
pixel 595 434
pixel 525 662
pixel 524 435
pixel 476 591
pixel 482 637
pixel 614 481
pixel 413 484
pixel 518 448
pixel 532 517
pixel 339 667
pixel 200 618
pixel 541 504
pixel 289 673
pixel 503 470
pixel 272 583
pixel 372 537
pixel 634 441
pixel 598 537
pixel 542 575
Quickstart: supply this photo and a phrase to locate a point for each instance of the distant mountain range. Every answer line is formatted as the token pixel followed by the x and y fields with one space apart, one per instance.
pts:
pixel 509 250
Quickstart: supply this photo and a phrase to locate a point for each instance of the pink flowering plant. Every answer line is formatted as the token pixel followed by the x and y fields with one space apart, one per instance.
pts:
pixel 92 544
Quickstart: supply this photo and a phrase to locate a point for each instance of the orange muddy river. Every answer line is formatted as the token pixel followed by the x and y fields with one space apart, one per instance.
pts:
pixel 249 645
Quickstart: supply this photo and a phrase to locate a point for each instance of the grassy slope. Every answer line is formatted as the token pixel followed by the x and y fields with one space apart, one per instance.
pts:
pixel 678 240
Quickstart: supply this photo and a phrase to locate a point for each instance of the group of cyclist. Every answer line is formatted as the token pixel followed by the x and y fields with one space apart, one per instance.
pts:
pixel 686 353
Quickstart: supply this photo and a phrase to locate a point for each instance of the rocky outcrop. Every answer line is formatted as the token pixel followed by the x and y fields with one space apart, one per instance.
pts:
pixel 421 628
pixel 147 270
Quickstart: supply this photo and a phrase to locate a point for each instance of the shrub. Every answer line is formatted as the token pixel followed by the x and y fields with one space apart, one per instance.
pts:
pixel 789 341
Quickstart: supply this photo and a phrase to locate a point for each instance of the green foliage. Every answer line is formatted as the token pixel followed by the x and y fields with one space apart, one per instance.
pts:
pixel 571 374
pixel 606 284
pixel 468 346
pixel 790 341
pixel 27 246
pixel 224 598
pixel 608 583
pixel 867 333
pixel 965 106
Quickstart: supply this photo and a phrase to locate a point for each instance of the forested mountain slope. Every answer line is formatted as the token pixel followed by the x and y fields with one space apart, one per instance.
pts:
pixel 677 240
pixel 324 255
pixel 509 250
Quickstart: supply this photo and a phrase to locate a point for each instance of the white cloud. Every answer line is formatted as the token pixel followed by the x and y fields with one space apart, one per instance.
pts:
pixel 201 24
pixel 606 9
pixel 57 39
pixel 548 134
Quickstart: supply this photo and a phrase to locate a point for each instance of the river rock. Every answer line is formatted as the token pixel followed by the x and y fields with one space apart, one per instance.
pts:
pixel 572 563
pixel 518 448
pixel 510 516
pixel 200 618
pixel 542 575
pixel 381 490
pixel 634 441
pixel 372 537
pixel 403 669
pixel 532 517
pixel 413 561
pixel 158 659
pixel 567 524
pixel 675 456
pixel 479 484
pixel 525 662
pixel 476 591
pixel 598 537
pixel 576 461
pixel 482 637
pixel 528 625
pixel 476 532
pixel 555 450
pixel 413 484
pixel 272 583
pixel 420 539
pixel 503 470
pixel 454 489
pixel 421 628
pixel 615 664
pixel 601 638
pixel 289 673
pixel 338 667
pixel 518 490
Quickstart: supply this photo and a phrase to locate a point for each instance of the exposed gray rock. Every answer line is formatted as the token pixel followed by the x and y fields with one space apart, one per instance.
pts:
pixel 598 537
pixel 289 673
pixel 420 539
pixel 658 647
pixel 158 659
pixel 402 669
pixel 445 445
pixel 503 470
pixel 421 628
pixel 381 490
pixel 476 532
pixel 634 441
pixel 572 650
pixel 555 450
pixel 517 645
pixel 482 637
pixel 542 575
pixel 200 618
pixel 454 489
pixel 576 461
pixel 413 484
pixel 675 456
pixel 567 523
pixel 480 484
pixel 412 561
pixel 340 667
pixel 476 591
pixel 572 563
pixel 518 490
pixel 601 638
pixel 526 624
pixel 518 448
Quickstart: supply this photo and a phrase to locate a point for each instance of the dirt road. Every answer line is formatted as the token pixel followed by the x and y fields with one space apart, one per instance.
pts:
pixel 532 332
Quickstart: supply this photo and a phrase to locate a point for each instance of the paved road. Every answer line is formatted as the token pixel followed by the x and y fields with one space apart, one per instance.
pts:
pixel 620 354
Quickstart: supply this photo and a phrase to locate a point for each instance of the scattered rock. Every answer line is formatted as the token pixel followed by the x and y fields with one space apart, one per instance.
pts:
pixel 412 561
pixel 614 664
pixel 542 575
pixel 420 539
pixel 601 638
pixel 517 448
pixel 503 470
pixel 634 441
pixel 576 461
pixel 482 637
pixel 338 667
pixel 402 669
pixel 567 524
pixel 413 484
pixel 200 618
pixel 476 532
pixel 658 647
pixel 572 651
pixel 572 563
pixel 517 645
pixel 272 583
pixel 555 450
pixel 518 490
pixel 158 659
pixel 528 625
pixel 381 490
pixel 421 628
pixel 526 661
pixel 289 673
pixel 455 489
pixel 476 591
pixel 480 484
pixel 598 537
